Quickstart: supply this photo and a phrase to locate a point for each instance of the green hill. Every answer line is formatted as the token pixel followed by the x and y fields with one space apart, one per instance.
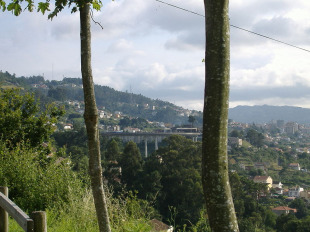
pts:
pixel 134 105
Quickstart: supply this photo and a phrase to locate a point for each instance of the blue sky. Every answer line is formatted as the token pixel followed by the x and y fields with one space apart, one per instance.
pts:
pixel 156 50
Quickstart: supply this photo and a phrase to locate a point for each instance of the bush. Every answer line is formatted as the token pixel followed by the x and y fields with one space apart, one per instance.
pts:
pixel 36 181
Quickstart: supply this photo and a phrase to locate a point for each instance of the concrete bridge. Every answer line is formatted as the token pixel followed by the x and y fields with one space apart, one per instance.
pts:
pixel 149 137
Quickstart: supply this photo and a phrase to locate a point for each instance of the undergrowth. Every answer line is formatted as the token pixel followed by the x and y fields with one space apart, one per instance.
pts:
pixel 127 214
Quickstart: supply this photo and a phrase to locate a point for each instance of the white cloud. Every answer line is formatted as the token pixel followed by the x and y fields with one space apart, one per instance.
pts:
pixel 157 49
pixel 122 45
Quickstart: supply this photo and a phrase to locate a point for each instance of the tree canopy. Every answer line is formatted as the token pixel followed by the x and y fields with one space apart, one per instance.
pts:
pixel 20 118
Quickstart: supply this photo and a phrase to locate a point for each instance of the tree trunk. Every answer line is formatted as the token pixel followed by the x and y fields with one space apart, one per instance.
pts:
pixel 215 178
pixel 91 121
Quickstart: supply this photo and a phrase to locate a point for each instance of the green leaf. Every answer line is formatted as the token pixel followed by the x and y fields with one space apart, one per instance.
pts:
pixel 2 5
pixel 74 9
pixel 43 7
pixel 17 9
pixel 97 4
pixel 11 6
pixel 30 5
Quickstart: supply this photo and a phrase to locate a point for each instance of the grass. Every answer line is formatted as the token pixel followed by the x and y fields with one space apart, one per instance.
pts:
pixel 126 215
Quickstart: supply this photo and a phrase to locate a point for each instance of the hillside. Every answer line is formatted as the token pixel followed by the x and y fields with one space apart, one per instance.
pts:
pixel 134 105
pixel 266 113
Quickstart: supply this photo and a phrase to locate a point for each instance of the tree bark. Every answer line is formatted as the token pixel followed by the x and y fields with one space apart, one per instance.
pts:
pixel 215 177
pixel 91 121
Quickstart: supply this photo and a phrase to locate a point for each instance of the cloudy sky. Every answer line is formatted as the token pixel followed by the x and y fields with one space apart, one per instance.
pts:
pixel 154 49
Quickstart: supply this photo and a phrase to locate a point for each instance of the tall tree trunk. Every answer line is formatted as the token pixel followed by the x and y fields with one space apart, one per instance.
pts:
pixel 91 121
pixel 215 178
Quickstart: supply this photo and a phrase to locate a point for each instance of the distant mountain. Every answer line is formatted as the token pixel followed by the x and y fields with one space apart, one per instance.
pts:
pixel 266 113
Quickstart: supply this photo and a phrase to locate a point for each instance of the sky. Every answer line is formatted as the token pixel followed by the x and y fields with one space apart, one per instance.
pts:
pixel 149 48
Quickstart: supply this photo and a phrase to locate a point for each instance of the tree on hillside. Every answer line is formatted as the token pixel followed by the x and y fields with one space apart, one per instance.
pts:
pixel 215 179
pixel 131 164
pixel 20 119
pixel 112 152
pixel 255 138
pixel 91 112
pixel 180 179
pixel 192 120
pixel 236 134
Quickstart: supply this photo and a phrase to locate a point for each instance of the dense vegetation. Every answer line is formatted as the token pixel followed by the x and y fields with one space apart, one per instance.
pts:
pixel 40 176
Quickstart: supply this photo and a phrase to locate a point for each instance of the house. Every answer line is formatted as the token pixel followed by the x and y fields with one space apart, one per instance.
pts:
pixel 102 114
pixel 264 180
pixel 159 226
pixel 131 130
pixel 283 210
pixel 278 191
pixel 234 142
pixel 277 187
pixel 294 166
pixel 68 126
pixel 295 192
pixel 277 184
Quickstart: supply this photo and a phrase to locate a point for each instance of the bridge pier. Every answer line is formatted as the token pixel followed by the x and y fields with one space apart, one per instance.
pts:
pixel 145 147
pixel 156 143
pixel 195 139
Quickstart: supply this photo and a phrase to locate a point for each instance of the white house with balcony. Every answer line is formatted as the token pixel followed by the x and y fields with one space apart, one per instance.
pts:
pixel 295 192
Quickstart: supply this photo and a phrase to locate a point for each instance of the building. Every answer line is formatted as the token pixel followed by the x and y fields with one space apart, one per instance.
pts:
pixel 280 123
pixel 291 128
pixel 131 130
pixel 263 180
pixel 277 184
pixel 294 166
pixel 295 192
pixel 234 142
pixel 277 187
pixel 68 126
pixel 283 210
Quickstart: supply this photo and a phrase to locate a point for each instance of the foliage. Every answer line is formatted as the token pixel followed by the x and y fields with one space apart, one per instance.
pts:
pixel 134 122
pixel 20 119
pixel 171 178
pixel 131 164
pixel 78 215
pixel 192 120
pixel 302 207
pixel 250 213
pixel 35 181
pixel 112 151
pixel 236 133
pixel 255 138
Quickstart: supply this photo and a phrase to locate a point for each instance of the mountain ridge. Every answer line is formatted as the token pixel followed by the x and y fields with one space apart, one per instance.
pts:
pixel 267 113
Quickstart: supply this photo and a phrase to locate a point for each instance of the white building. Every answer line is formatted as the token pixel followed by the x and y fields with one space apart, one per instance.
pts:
pixel 295 192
